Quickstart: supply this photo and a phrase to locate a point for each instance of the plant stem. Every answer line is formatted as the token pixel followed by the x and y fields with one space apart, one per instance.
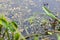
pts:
pixel 12 36
pixel 49 13
pixel 7 34
pixel 0 29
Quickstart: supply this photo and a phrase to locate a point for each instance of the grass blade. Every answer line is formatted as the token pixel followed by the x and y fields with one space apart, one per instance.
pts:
pixel 16 36
pixel 58 37
pixel 15 24
pixel 36 37
pixel 49 13
pixel 22 37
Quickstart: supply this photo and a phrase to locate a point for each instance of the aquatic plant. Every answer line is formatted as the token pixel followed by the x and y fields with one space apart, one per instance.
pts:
pixel 10 27
pixel 49 13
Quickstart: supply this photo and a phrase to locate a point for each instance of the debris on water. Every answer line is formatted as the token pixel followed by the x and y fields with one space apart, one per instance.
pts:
pixel 45 4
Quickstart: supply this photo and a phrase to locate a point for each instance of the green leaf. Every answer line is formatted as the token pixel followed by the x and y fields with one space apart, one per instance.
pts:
pixel 36 37
pixel 17 36
pixel 49 13
pixel 58 36
pixel 15 24
pixel 2 16
pixel 11 27
pixel 3 22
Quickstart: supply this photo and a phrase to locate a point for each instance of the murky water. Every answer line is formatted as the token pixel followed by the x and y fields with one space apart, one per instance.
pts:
pixel 20 10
